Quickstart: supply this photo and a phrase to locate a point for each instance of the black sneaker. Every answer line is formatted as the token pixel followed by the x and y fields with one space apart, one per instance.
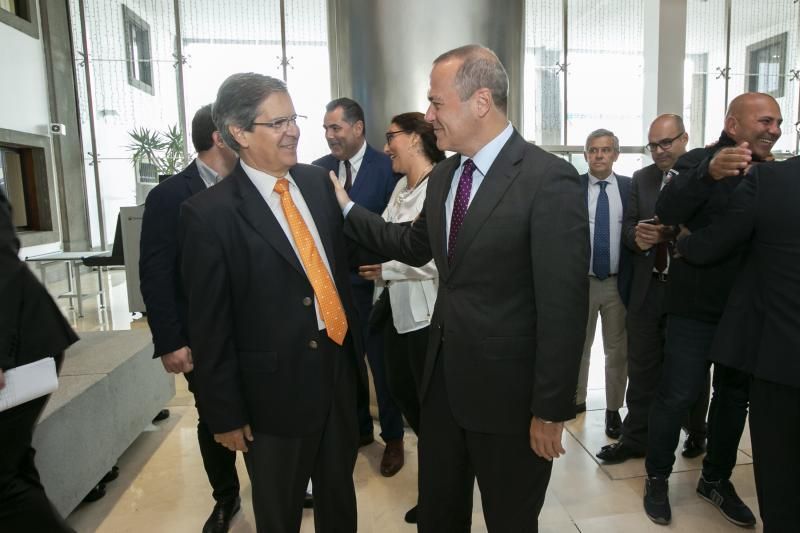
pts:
pixel 722 495
pixel 656 500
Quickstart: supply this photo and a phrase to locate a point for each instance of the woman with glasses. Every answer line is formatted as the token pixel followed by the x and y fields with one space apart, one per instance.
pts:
pixel 406 294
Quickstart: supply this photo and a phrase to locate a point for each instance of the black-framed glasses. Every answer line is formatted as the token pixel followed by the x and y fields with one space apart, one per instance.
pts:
pixel 390 135
pixel 281 124
pixel 665 144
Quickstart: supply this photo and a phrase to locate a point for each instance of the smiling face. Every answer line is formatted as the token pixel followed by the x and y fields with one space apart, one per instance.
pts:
pixel 344 139
pixel 452 120
pixel 756 119
pixel 399 148
pixel 270 149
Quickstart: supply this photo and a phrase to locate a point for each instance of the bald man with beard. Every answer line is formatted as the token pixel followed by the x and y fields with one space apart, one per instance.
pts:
pixel 697 195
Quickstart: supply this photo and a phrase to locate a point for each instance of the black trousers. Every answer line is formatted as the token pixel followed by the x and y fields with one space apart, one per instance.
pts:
pixel 218 461
pixel 646 328
pixel 405 363
pixel 775 434
pixel 280 467
pixel 24 506
pixel 512 479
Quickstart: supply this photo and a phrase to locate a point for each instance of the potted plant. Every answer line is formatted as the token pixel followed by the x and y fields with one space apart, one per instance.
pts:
pixel 155 153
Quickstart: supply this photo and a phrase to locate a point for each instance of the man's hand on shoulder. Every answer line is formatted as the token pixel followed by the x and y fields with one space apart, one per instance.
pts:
pixel 178 362
pixel 341 194
pixel 546 438
pixel 236 439
pixel 730 161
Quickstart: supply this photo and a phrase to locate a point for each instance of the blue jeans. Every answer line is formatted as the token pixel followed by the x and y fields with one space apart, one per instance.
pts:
pixel 682 381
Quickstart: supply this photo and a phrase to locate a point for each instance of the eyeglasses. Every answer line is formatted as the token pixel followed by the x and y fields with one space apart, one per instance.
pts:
pixel 666 144
pixel 390 135
pixel 797 126
pixel 281 124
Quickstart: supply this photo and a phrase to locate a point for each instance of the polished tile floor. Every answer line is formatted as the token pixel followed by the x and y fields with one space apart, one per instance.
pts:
pixel 162 485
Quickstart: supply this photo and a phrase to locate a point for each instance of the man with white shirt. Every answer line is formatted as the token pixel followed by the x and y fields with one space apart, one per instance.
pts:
pixel 163 296
pixel 271 316
pixel 366 174
pixel 506 224
pixel 648 242
pixel 606 196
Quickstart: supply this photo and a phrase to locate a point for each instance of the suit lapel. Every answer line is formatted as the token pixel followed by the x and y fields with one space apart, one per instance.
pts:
pixel 438 188
pixel 363 171
pixel 313 195
pixel 258 214
pixel 497 180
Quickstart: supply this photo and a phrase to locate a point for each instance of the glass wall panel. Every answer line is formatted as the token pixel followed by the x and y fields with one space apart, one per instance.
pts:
pixel 543 82
pixel 764 50
pixel 605 59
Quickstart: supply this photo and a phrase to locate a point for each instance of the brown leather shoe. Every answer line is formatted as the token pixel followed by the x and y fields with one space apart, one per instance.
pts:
pixel 393 458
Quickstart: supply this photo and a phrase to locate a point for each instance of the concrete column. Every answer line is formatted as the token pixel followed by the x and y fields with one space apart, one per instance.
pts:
pixel 382 50
pixel 664 51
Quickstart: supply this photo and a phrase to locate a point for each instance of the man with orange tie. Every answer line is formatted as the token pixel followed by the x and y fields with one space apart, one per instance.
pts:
pixel 265 268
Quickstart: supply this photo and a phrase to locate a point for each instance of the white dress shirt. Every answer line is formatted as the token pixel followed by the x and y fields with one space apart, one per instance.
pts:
pixel 207 174
pixel 614 218
pixel 266 187
pixel 355 165
pixel 483 162
pixel 412 290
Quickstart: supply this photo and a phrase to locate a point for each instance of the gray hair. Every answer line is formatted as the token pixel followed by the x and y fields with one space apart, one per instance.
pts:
pixel 238 101
pixel 596 134
pixel 481 68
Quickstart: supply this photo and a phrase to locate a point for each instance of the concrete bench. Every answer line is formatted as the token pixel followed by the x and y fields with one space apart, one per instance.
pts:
pixel 110 389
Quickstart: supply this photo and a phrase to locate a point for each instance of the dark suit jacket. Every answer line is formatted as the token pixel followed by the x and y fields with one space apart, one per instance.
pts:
pixel 159 269
pixel 694 199
pixel 31 325
pixel 645 187
pixel 760 329
pixel 510 315
pixel 251 318
pixel 624 272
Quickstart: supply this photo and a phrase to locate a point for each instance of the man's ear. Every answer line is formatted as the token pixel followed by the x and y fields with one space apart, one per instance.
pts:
pixel 216 137
pixel 359 128
pixel 731 125
pixel 482 101
pixel 238 133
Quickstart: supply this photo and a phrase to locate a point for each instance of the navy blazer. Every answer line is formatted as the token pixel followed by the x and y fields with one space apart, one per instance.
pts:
pixel 372 189
pixel 158 259
pixel 624 271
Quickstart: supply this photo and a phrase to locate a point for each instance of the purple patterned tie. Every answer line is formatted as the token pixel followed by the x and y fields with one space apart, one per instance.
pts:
pixel 460 207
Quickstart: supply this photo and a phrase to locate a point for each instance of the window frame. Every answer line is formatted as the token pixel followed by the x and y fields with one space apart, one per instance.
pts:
pixel 132 20
pixel 26 22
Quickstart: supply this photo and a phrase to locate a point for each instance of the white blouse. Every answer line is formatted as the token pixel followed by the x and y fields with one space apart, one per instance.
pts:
pixel 412 290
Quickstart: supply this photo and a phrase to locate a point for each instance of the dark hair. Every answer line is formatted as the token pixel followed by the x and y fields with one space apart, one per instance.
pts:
pixel 238 100
pixel 202 129
pixel 415 122
pixel 480 68
pixel 351 111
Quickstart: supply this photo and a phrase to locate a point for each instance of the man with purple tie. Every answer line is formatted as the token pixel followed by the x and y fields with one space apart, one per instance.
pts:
pixel 507 225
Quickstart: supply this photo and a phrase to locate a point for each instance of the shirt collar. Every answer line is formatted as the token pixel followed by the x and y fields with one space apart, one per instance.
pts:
pixel 207 174
pixel 355 161
pixel 485 157
pixel 265 183
pixel 610 179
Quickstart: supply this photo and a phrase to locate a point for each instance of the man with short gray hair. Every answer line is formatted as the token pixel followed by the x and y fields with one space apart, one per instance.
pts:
pixel 270 314
pixel 609 275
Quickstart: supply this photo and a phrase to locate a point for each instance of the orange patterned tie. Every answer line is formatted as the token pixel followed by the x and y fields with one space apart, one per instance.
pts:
pixel 329 304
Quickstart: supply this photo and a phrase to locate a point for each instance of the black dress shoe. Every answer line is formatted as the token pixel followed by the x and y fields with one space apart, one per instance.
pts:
pixel 366 440
pixel 411 515
pixel 221 516
pixel 613 424
pixel 162 415
pixel 308 501
pixel 580 408
pixel 617 452
pixel 694 446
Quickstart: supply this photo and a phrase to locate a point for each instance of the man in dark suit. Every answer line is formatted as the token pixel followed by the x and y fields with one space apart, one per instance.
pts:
pixel 32 328
pixel 759 332
pixel 367 176
pixel 270 314
pixel 609 273
pixel 507 225
pixel 698 193
pixel 164 300
pixel 645 321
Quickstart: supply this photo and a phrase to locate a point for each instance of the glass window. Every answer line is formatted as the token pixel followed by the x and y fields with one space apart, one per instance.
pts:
pixel 137 50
